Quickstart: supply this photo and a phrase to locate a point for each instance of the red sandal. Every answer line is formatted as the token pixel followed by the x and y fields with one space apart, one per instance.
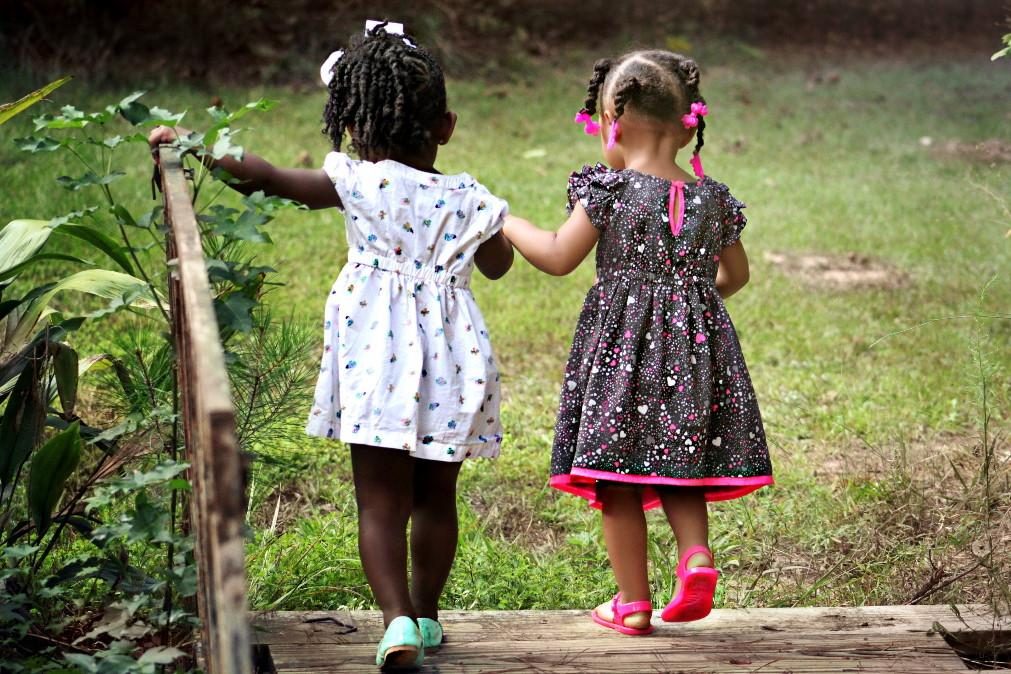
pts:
pixel 694 599
pixel 620 612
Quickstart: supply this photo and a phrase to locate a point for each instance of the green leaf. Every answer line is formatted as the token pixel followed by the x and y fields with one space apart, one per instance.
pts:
pixel 180 484
pixel 19 241
pixel 65 369
pixel 20 426
pixel 149 521
pixel 163 117
pixel 121 289
pixel 35 144
pixel 245 227
pixel 132 110
pixel 51 467
pixel 73 215
pixel 259 105
pixel 89 179
pixel 223 146
pixel 13 552
pixel 151 217
pixel 101 241
pixel 38 257
pixel 235 312
pixel 8 110
pixel 72 118
pixel 191 142
pixel 269 205
pixel 160 655
pixel 110 492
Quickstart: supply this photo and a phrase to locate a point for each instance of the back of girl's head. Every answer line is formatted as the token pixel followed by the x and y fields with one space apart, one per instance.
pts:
pixel 659 84
pixel 387 92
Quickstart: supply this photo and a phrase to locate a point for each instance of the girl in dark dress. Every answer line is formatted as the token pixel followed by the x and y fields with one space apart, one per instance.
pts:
pixel 657 407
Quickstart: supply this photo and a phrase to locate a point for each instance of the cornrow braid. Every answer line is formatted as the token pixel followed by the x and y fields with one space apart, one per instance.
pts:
pixel 623 93
pixel 387 92
pixel 600 70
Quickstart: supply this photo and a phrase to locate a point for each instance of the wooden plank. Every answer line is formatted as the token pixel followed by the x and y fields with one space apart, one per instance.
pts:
pixel 894 639
pixel 343 627
pixel 217 506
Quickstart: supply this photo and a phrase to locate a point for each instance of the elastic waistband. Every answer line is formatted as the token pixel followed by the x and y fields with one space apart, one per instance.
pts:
pixel 642 275
pixel 410 269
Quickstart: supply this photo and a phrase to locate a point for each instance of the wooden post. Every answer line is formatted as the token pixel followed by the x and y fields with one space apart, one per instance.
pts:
pixel 217 502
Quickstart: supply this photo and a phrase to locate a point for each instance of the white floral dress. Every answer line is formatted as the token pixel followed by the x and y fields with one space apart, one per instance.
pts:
pixel 407 362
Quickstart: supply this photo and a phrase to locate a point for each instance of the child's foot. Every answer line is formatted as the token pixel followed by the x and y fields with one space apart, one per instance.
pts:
pixel 401 647
pixel 695 587
pixel 431 632
pixel 631 618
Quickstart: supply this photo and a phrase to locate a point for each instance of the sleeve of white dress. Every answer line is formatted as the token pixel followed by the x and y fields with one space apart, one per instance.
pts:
pixel 340 169
pixel 493 209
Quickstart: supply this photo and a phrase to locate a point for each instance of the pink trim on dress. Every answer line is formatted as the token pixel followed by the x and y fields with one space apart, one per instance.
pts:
pixel 677 189
pixel 583 482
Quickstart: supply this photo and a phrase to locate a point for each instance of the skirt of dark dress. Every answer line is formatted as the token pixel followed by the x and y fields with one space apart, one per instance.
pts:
pixel 656 393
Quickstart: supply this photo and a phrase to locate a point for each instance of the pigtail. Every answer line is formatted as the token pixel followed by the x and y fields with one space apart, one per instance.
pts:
pixel 600 70
pixel 699 141
pixel 688 70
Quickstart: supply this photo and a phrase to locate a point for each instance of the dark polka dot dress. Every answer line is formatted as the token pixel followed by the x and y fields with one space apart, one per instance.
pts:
pixel 656 391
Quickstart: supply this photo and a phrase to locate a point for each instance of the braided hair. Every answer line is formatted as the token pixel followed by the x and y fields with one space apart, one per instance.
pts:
pixel 387 92
pixel 658 84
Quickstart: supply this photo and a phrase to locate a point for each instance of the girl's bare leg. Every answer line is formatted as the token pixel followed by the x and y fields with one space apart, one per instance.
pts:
pixel 688 516
pixel 384 492
pixel 434 532
pixel 625 537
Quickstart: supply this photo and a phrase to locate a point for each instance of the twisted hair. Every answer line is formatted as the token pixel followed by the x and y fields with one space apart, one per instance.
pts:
pixel 386 93
pixel 656 83
pixel 600 70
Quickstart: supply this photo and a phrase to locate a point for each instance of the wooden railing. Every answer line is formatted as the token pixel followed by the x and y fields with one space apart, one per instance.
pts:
pixel 217 500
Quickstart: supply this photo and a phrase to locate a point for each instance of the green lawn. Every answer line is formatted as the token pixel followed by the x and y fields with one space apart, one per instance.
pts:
pixel 866 433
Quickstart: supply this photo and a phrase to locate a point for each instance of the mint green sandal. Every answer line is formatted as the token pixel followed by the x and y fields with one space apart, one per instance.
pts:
pixel 431 632
pixel 402 646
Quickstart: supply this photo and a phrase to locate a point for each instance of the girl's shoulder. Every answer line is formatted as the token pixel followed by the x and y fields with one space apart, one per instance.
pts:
pixel 720 193
pixel 341 167
pixel 598 176
pixel 595 187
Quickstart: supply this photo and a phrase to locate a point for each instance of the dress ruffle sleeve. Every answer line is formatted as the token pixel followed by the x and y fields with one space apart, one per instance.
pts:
pixel 340 168
pixel 732 218
pixel 595 187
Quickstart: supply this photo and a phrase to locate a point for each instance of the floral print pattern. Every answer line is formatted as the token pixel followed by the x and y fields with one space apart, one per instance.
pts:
pixel 407 362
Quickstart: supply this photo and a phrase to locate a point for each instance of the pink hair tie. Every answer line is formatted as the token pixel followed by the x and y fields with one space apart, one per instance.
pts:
pixel 590 127
pixel 691 120
pixel 696 163
pixel 613 137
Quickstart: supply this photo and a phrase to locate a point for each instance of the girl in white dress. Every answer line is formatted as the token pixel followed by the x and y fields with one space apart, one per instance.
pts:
pixel 407 378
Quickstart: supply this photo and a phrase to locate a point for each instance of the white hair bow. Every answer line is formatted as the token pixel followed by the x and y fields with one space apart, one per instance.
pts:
pixel 326 70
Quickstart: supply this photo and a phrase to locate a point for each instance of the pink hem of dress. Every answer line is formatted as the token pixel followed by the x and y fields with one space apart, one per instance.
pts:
pixel 583 482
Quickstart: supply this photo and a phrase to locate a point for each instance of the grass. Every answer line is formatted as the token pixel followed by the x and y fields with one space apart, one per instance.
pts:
pixel 868 422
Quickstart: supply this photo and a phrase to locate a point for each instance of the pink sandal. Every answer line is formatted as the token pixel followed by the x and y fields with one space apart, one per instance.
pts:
pixel 620 612
pixel 694 599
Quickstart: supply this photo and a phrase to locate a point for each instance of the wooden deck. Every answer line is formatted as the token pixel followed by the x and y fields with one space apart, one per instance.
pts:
pixel 894 639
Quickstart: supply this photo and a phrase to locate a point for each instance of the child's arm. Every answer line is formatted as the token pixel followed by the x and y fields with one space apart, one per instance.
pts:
pixel 494 257
pixel 733 272
pixel 311 187
pixel 555 253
